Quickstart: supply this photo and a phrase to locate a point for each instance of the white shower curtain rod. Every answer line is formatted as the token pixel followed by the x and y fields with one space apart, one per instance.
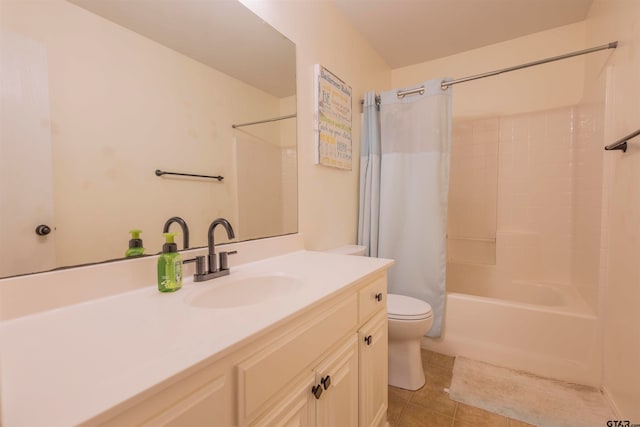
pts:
pixel 611 45
pixel 446 84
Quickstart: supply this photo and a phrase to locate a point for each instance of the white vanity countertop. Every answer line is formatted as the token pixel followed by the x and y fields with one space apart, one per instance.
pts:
pixel 66 366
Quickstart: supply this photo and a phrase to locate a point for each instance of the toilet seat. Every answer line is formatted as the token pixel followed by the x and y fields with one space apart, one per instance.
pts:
pixel 401 307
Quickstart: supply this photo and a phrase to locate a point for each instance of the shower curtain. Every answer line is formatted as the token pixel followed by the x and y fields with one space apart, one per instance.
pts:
pixel 413 185
pixel 369 211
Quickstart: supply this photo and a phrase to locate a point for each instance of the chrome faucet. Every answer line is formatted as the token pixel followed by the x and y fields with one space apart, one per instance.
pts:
pixel 214 271
pixel 185 229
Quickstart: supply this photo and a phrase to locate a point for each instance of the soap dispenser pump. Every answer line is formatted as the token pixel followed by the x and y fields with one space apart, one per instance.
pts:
pixel 169 266
pixel 135 244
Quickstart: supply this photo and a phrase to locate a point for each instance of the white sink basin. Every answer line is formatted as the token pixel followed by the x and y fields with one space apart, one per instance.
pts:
pixel 243 291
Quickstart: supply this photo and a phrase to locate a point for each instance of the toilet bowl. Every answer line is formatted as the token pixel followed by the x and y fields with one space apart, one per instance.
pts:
pixel 409 320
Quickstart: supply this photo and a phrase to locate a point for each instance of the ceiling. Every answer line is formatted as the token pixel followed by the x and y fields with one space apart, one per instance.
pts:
pixel 201 30
pixel 407 32
pixel 403 32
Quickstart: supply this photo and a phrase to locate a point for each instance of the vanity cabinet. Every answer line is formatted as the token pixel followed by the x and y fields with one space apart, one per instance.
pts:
pixel 204 406
pixel 202 399
pixel 373 352
pixel 328 396
pixel 373 367
pixel 372 298
pixel 264 377
pixel 324 366
pixel 337 376
pixel 297 408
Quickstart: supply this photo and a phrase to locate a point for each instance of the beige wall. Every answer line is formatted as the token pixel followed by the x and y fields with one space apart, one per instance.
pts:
pixel 328 198
pixel 123 106
pixel 537 88
pixel 618 20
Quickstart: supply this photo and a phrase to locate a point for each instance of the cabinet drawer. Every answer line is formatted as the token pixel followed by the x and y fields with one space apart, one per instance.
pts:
pixel 372 298
pixel 270 369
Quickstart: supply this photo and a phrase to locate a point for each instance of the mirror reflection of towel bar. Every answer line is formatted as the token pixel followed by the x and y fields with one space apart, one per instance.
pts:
pixel 160 173
pixel 275 119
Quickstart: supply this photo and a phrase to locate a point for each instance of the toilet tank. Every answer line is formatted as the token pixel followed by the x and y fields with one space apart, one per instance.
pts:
pixel 357 250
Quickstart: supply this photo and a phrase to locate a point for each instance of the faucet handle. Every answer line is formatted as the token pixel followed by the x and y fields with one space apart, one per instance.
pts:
pixel 201 268
pixel 224 259
pixel 200 264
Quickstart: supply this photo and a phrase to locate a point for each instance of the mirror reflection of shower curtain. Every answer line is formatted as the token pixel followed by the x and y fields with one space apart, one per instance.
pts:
pixel 414 185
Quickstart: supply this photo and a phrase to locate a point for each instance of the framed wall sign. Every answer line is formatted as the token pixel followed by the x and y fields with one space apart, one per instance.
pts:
pixel 333 120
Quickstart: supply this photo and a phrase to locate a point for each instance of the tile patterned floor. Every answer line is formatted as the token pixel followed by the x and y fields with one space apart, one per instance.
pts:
pixel 431 407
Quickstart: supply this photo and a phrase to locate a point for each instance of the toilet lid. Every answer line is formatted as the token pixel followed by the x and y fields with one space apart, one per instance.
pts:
pixel 401 307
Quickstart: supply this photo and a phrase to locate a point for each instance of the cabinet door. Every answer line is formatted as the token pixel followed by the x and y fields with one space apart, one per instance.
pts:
pixel 338 376
pixel 296 409
pixel 204 407
pixel 203 399
pixel 373 355
pixel 269 370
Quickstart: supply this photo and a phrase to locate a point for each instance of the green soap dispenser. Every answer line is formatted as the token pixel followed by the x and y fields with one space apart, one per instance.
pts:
pixel 135 244
pixel 169 266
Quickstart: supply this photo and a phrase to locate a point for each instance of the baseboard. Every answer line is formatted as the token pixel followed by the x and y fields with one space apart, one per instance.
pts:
pixel 612 403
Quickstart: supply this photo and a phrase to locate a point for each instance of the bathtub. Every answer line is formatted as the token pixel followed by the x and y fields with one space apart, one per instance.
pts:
pixel 543 329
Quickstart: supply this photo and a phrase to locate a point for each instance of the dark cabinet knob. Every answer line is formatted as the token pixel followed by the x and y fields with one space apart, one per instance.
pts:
pixel 326 382
pixel 43 230
pixel 379 297
pixel 317 391
pixel 368 339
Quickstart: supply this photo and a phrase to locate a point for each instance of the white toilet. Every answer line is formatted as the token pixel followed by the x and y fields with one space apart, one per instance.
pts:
pixel 409 319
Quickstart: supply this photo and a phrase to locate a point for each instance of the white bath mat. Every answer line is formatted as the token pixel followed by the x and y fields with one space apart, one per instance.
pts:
pixel 526 397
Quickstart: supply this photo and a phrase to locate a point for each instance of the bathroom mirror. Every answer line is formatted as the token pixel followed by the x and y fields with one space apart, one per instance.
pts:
pixel 99 94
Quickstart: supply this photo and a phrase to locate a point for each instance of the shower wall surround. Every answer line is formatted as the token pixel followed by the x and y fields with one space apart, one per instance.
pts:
pixel 473 188
pixel 589 201
pixel 534 202
pixel 533 182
